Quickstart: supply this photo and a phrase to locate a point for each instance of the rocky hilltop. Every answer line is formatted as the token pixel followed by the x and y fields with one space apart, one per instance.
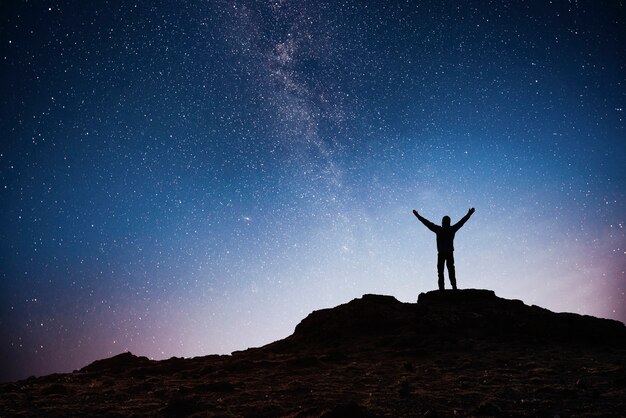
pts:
pixel 453 353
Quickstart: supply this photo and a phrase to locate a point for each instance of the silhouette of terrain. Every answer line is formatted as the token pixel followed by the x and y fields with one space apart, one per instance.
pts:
pixel 461 353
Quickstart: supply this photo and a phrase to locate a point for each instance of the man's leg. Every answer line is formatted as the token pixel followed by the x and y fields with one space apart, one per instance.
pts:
pixel 451 271
pixel 440 263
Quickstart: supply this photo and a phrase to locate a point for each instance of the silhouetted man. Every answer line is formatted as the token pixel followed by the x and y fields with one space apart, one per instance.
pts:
pixel 445 248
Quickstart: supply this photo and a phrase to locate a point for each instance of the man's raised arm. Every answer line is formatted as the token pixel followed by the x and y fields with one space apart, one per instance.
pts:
pixel 464 219
pixel 425 221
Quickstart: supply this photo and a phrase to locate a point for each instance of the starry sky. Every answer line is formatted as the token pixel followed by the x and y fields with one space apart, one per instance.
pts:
pixel 195 177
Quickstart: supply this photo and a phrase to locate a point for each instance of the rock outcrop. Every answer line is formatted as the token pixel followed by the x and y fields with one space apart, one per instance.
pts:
pixel 453 353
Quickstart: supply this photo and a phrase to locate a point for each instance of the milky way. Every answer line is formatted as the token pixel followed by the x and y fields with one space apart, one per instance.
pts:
pixel 188 178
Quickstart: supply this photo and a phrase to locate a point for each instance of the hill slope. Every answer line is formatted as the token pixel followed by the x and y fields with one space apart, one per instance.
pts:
pixel 452 353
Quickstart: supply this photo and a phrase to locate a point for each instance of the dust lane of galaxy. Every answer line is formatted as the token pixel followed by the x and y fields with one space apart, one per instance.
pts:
pixel 188 178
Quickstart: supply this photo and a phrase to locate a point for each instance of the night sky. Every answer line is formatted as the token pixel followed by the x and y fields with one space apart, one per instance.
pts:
pixel 194 177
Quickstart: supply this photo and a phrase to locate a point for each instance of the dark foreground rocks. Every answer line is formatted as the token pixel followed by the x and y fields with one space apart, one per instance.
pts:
pixel 464 353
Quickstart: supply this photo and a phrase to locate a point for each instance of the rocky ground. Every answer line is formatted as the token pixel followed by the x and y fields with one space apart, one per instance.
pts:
pixel 464 353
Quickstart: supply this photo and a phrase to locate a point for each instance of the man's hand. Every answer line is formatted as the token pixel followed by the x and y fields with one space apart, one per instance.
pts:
pixel 471 211
pixel 415 213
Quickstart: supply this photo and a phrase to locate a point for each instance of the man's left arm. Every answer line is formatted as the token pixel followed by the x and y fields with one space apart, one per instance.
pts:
pixel 428 224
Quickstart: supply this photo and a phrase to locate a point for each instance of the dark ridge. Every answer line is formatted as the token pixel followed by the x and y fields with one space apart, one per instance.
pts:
pixel 480 313
pixel 371 314
pixel 123 361
pixel 453 353
pixel 460 314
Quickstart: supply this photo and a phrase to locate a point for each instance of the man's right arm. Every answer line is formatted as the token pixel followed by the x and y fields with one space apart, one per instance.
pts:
pixel 464 219
pixel 425 221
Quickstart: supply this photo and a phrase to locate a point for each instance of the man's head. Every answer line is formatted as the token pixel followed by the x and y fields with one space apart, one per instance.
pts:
pixel 445 221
